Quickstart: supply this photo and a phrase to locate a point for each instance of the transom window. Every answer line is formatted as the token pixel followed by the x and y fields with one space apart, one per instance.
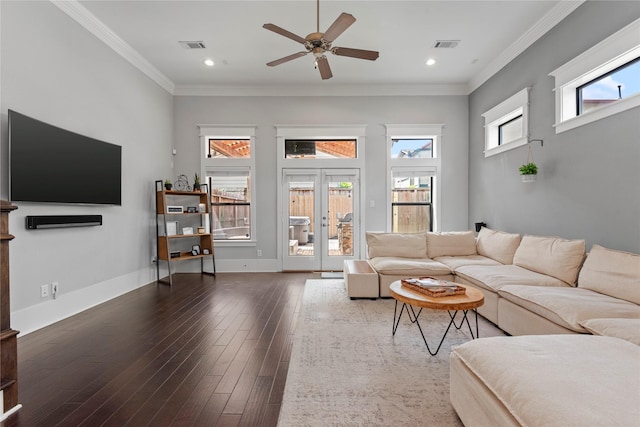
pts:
pixel 600 82
pixel 620 83
pixel 320 149
pixel 411 148
pixel 229 148
pixel 506 124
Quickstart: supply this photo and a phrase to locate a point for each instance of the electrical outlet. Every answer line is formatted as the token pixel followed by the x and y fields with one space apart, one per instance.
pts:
pixel 44 291
pixel 259 252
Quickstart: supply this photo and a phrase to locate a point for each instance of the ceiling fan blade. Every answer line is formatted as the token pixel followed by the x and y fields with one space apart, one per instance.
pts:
pixel 283 32
pixel 323 67
pixel 338 27
pixel 286 59
pixel 371 55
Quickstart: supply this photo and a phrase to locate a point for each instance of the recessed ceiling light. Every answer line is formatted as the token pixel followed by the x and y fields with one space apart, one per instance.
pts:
pixel 431 61
pixel 208 62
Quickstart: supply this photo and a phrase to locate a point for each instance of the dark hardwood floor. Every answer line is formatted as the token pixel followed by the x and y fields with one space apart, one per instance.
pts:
pixel 206 351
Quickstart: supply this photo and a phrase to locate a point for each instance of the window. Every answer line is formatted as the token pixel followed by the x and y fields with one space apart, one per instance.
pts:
pixel 320 149
pixel 621 83
pixel 414 171
pixel 411 148
pixel 230 204
pixel 600 82
pixel 411 208
pixel 229 148
pixel 228 167
pixel 506 124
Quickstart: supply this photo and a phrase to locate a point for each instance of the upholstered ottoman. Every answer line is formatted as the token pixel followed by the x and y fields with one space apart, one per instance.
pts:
pixel 360 279
pixel 546 380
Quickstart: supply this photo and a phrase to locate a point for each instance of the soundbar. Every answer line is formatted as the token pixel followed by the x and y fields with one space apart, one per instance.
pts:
pixel 35 222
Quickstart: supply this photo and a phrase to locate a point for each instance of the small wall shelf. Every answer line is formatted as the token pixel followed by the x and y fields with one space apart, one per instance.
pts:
pixel 172 216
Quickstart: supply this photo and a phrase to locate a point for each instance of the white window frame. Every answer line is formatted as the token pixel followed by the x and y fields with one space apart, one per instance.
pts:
pixel 611 53
pixel 229 165
pixel 512 107
pixel 416 165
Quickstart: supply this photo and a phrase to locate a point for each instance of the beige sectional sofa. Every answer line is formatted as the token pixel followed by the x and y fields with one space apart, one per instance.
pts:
pixel 532 284
pixel 574 357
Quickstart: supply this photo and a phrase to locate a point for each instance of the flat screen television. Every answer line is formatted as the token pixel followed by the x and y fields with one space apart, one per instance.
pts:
pixel 50 164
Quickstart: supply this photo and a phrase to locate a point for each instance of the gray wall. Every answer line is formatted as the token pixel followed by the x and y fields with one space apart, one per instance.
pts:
pixel 589 179
pixel 267 112
pixel 57 72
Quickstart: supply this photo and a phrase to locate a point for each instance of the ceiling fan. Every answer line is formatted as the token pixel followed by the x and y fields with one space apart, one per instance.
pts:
pixel 318 43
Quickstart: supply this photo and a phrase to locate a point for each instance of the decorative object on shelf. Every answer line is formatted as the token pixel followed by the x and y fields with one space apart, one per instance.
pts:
pixel 202 208
pixel 167 185
pixel 187 230
pixel 196 182
pixel 172 228
pixel 529 171
pixel 201 230
pixel 182 183
pixel 192 209
pixel 175 209
pixel 205 251
pixel 195 250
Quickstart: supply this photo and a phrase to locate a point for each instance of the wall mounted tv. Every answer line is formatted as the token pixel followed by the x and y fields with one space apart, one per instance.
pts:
pixel 50 164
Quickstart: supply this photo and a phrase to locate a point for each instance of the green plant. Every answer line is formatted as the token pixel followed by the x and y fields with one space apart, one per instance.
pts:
pixel 196 179
pixel 167 182
pixel 529 169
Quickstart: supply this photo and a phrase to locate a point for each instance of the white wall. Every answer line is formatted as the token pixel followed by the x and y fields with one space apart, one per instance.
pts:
pixel 55 71
pixel 589 179
pixel 374 112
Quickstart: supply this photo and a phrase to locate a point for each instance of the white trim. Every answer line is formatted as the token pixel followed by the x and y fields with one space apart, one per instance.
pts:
pixel 211 166
pixel 432 131
pixel 320 131
pixel 66 305
pixel 560 11
pixel 10 412
pixel 512 107
pixel 96 27
pixel 611 53
pixel 323 90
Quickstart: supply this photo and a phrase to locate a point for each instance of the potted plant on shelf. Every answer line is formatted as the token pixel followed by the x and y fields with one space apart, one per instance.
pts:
pixel 529 172
pixel 196 183
pixel 167 184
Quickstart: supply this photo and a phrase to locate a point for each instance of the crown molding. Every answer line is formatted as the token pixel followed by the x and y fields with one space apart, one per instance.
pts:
pixel 96 27
pixel 322 90
pixel 540 28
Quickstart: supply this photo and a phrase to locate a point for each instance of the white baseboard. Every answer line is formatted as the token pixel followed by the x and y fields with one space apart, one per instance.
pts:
pixel 38 316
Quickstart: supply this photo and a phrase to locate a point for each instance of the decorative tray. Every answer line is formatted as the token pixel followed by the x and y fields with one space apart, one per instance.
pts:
pixel 433 287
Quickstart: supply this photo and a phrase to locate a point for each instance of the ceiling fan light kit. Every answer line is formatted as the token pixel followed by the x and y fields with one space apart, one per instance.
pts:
pixel 319 43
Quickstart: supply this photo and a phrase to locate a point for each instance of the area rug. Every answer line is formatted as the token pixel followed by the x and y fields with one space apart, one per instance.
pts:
pixel 347 369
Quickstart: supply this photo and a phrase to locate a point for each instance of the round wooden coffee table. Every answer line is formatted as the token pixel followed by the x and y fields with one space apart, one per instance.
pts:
pixel 471 300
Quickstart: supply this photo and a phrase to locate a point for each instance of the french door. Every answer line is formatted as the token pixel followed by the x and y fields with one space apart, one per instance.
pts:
pixel 321 218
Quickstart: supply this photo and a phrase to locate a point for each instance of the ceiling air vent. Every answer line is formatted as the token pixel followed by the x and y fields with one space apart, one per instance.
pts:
pixel 192 44
pixel 446 44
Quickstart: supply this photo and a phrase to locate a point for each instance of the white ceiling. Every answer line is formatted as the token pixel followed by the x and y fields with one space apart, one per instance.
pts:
pixel 491 33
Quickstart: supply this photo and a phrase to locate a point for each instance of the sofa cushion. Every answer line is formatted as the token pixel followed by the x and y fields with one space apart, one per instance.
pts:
pixel 626 329
pixel 409 266
pixel 496 276
pixel 408 245
pixel 497 245
pixel 568 306
pixel 613 273
pixel 553 256
pixel 454 262
pixel 451 243
pixel 569 380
